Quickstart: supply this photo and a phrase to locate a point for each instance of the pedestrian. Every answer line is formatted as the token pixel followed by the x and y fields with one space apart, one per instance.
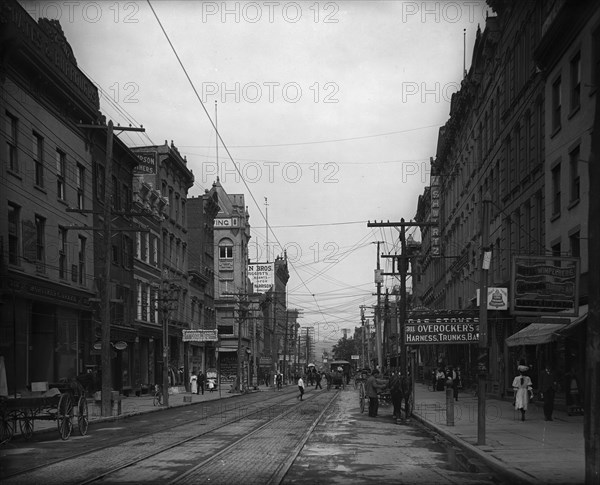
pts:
pixel 548 390
pixel 300 388
pixel 406 390
pixel 201 382
pixel 194 383
pixel 371 389
pixel 458 384
pixel 318 381
pixel 573 386
pixel 523 390
pixel 211 384
pixel 279 381
pixel 452 381
pixel 396 394
pixel 440 380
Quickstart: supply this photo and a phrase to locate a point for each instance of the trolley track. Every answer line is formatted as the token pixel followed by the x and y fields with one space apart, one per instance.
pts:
pixel 209 415
pixel 173 450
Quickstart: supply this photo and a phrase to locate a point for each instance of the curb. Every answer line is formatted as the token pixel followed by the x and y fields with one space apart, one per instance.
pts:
pixel 510 475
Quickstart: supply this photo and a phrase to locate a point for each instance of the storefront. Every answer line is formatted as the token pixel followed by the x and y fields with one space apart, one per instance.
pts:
pixel 47 331
pixel 560 345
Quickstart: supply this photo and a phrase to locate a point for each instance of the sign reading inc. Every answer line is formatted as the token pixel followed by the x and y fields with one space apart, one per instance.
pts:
pixel 442 327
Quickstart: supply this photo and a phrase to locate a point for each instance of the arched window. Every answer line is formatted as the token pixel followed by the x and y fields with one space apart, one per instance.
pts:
pixel 226 249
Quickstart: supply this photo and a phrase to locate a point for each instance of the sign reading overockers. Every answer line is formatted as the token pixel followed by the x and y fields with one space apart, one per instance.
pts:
pixel 447 327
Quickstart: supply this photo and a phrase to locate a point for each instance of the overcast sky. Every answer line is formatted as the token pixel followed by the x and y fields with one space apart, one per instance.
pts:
pixel 330 110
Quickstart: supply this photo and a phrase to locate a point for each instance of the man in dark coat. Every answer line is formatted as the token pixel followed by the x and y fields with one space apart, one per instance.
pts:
pixel 201 382
pixel 371 388
pixel 548 388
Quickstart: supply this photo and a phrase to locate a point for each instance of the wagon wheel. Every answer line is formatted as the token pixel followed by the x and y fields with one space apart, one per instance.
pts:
pixel 64 416
pixel 26 423
pixel 7 429
pixel 361 394
pixel 82 415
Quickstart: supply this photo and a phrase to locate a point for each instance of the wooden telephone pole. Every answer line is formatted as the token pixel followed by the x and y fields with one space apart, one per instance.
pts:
pixel 106 232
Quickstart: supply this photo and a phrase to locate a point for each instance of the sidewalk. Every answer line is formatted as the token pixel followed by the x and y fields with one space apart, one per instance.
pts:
pixel 530 451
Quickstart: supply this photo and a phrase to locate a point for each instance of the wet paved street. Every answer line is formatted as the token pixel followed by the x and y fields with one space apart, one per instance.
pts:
pixel 348 447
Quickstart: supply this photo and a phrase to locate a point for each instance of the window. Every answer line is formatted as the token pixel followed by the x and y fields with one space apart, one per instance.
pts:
pixel 100 182
pixel 127 252
pixel 138 245
pixel 139 300
pixel 556 253
pixel 61 161
pixel 576 82
pixel 556 190
pixel 574 243
pixel 145 302
pixel 170 202
pixel 183 219
pixel 40 237
pixel 556 105
pixel 226 250
pixel 38 162
pixel 176 207
pixel 14 233
pixel 80 183
pixel 154 253
pixel 126 197
pixel 144 246
pixel 62 253
pixel 115 253
pixel 116 194
pixel 12 142
pixel 574 175
pixel 81 257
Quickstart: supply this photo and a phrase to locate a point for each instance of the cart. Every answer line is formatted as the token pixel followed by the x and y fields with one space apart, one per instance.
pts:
pixel 61 405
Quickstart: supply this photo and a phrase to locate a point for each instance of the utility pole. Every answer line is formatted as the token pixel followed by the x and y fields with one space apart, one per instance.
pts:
pixel 106 230
pixel 106 394
pixel 238 384
pixel 362 324
pixel 402 323
pixel 378 282
pixel 483 363
pixel 285 347
pixel 403 274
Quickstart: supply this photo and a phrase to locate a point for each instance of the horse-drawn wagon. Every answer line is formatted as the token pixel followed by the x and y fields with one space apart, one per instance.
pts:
pixel 61 402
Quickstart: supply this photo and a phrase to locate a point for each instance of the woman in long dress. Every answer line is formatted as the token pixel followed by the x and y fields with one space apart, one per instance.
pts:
pixel 523 387
pixel 194 383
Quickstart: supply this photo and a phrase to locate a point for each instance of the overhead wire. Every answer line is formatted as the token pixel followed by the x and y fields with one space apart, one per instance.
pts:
pixel 216 129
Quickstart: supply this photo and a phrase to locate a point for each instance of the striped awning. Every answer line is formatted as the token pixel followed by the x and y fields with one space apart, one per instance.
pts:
pixel 536 334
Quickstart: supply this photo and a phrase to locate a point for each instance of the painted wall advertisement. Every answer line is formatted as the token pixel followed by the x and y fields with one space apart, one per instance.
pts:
pixel 262 276
pixel 545 285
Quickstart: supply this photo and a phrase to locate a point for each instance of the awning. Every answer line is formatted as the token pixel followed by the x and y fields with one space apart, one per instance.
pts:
pixel 536 334
pixel 543 333
pixel 575 321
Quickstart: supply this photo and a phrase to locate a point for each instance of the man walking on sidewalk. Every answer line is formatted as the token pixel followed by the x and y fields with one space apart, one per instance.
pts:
pixel 300 388
pixel 548 389
pixel 371 388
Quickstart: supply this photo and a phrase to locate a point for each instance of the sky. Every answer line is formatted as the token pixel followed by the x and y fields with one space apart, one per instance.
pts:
pixel 329 110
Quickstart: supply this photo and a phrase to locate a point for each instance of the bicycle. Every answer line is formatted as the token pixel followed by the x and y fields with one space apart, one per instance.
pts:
pixel 157 400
